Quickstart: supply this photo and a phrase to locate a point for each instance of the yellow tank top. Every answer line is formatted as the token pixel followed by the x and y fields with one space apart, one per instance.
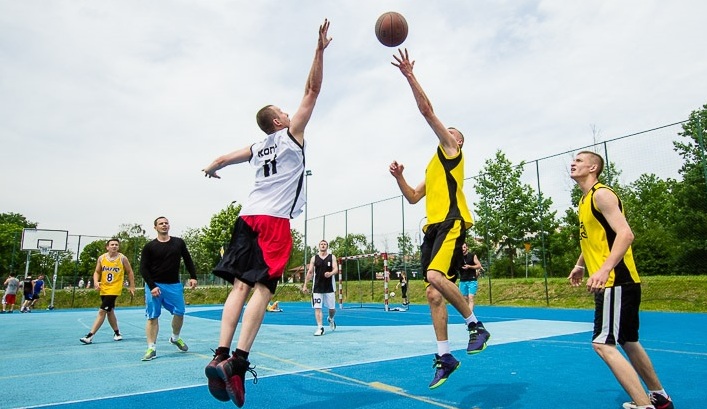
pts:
pixel 112 275
pixel 596 239
pixel 444 183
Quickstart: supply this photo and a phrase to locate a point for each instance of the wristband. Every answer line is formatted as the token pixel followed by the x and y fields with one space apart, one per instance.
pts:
pixel 578 266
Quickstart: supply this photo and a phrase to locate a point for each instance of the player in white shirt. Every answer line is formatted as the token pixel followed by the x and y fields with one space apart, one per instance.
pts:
pixel 261 241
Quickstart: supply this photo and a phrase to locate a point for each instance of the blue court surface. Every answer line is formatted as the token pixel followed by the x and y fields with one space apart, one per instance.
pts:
pixel 536 358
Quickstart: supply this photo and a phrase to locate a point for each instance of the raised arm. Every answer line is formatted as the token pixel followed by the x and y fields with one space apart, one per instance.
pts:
pixel 446 139
pixel 412 195
pixel 312 87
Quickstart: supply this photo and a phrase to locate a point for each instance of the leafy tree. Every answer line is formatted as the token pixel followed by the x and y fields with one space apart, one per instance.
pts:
pixel 208 243
pixel 508 209
pixel 89 255
pixel 691 195
pixel 650 205
pixel 354 245
pixel 12 259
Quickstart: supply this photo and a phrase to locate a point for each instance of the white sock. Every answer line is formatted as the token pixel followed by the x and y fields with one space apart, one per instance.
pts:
pixel 153 346
pixel 661 392
pixel 443 347
pixel 175 337
pixel 471 318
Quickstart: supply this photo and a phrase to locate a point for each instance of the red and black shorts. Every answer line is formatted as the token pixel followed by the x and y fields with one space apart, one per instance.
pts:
pixel 258 251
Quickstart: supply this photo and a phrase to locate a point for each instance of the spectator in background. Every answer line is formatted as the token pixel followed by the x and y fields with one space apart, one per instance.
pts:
pixel 12 285
pixel 159 267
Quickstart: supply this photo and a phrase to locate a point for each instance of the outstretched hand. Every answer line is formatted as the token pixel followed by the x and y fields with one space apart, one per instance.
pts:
pixel 404 63
pixel 210 174
pixel 323 31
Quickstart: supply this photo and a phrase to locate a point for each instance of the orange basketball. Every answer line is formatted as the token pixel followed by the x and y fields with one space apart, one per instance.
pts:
pixel 391 29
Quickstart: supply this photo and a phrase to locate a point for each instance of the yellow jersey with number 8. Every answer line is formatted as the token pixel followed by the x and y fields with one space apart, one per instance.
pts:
pixel 112 275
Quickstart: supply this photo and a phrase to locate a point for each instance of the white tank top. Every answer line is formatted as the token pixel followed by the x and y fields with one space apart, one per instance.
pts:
pixel 279 178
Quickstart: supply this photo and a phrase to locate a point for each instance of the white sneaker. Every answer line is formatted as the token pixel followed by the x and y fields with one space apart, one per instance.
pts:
pixel 332 323
pixel 117 337
pixel 319 332
pixel 87 340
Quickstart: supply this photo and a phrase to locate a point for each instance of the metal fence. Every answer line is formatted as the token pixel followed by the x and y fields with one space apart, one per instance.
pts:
pixel 383 221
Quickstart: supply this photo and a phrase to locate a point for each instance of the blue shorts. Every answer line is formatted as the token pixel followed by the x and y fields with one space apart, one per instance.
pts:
pixel 468 287
pixel 171 298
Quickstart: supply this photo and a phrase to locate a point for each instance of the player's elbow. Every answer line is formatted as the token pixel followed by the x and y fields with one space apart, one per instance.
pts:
pixel 426 110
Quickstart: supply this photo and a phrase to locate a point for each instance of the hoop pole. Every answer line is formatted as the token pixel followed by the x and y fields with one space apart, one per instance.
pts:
pixel 386 277
pixel 56 269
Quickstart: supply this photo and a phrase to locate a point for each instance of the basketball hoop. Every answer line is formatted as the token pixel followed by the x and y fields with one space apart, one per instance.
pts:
pixel 44 250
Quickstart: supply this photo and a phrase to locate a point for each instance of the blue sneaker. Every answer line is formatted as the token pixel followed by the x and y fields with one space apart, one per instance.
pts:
pixel 444 365
pixel 478 336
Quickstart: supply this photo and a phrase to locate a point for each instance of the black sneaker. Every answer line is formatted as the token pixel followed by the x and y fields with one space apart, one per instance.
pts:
pixel 444 366
pixel 478 336
pixel 661 402
pixel 217 387
pixel 657 400
pixel 232 372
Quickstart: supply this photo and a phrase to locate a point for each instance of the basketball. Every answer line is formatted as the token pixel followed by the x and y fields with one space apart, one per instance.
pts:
pixel 391 29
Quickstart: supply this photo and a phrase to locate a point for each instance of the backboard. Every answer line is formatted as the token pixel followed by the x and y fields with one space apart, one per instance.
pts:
pixel 34 239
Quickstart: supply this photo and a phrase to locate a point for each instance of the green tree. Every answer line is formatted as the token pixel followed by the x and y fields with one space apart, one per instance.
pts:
pixel 12 259
pixel 354 245
pixel 208 243
pixel 87 259
pixel 651 208
pixel 691 195
pixel 508 209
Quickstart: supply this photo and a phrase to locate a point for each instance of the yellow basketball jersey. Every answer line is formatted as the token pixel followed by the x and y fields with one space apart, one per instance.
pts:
pixel 596 239
pixel 444 183
pixel 112 275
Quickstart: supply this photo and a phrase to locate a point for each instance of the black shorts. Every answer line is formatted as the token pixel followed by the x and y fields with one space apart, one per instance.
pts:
pixel 243 259
pixel 108 302
pixel 616 314
pixel 441 248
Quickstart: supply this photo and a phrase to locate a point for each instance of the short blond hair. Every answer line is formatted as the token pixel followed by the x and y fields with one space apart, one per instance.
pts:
pixel 597 160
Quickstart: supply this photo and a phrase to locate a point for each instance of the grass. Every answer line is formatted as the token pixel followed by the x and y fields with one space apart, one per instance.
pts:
pixel 659 293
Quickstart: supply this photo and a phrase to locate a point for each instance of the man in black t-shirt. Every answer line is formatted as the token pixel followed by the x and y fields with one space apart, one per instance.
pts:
pixel 159 266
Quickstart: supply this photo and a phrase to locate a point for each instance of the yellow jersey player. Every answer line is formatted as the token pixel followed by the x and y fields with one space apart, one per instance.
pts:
pixel 111 268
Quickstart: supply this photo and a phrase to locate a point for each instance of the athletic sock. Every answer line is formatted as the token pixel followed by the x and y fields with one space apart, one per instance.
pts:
pixel 661 392
pixel 153 346
pixel 443 347
pixel 117 332
pixel 241 353
pixel 471 318
pixel 89 335
pixel 175 337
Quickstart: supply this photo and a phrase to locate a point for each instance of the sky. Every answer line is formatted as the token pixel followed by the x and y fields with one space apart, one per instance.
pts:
pixel 110 109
